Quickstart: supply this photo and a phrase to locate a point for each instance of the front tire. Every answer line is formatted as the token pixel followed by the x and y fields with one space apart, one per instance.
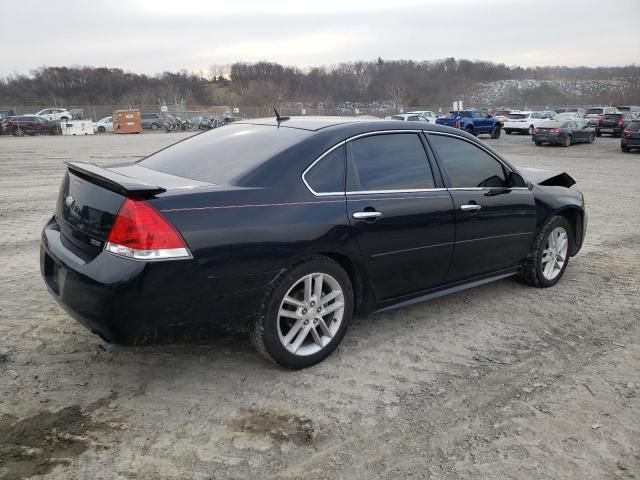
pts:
pixel 305 314
pixel 495 133
pixel 507 131
pixel 549 256
pixel 101 130
pixel 154 126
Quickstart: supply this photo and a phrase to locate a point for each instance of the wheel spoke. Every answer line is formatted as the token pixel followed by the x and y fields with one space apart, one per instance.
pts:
pixel 289 314
pixel 292 332
pixel 329 296
pixel 307 288
pixel 548 269
pixel 319 280
pixel 316 337
pixel 324 328
pixel 300 338
pixel 294 301
pixel 332 308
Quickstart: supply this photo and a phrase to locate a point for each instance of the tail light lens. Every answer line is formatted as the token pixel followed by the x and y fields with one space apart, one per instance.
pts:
pixel 536 130
pixel 621 123
pixel 141 232
pixel 626 133
pixel 555 131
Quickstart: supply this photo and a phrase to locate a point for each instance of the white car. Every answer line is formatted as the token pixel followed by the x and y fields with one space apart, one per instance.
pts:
pixel 428 114
pixel 55 114
pixel 523 122
pixel 103 125
pixel 410 117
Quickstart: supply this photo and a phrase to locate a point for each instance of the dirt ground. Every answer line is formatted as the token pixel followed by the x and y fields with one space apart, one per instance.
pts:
pixel 504 381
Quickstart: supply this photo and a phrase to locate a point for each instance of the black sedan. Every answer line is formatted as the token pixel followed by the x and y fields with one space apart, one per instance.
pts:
pixel 563 132
pixel 289 228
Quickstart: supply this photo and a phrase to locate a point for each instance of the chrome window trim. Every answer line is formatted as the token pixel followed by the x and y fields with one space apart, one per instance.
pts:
pixel 414 190
pixel 323 194
pixel 492 155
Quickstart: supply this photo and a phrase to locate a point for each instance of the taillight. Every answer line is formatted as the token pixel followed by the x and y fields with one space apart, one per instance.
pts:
pixel 621 123
pixel 141 232
pixel 536 130
pixel 626 133
pixel 555 131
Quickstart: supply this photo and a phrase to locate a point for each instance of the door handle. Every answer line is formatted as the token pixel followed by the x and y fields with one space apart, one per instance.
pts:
pixel 366 214
pixel 470 207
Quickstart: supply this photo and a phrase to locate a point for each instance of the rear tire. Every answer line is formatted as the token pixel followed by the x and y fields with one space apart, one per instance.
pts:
pixel 538 144
pixel 567 141
pixel 470 131
pixel 495 133
pixel 154 126
pixel 101 129
pixel 539 274
pixel 591 138
pixel 625 149
pixel 530 129
pixel 598 132
pixel 273 331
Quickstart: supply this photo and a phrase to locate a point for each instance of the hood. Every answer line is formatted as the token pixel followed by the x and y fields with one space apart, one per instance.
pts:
pixel 548 178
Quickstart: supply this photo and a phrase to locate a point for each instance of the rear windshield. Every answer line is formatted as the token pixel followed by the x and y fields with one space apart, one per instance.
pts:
pixel 634 126
pixel 597 111
pixel 225 153
pixel 610 116
pixel 502 112
pixel 518 115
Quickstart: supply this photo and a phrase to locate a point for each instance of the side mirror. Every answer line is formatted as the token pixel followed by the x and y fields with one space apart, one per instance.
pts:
pixel 516 180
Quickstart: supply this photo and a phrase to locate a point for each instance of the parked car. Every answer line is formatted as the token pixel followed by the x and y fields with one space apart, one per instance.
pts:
pixel 54 114
pixel 409 117
pixel 502 115
pixel 473 122
pixel 631 136
pixel 634 109
pixel 569 116
pixel 580 111
pixel 152 121
pixel 548 114
pixel 428 114
pixel 103 125
pixel 614 123
pixel 563 132
pixel 523 122
pixel 595 114
pixel 265 226
pixel 30 125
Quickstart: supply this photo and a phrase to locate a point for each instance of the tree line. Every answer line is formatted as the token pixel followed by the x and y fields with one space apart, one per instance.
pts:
pixel 402 82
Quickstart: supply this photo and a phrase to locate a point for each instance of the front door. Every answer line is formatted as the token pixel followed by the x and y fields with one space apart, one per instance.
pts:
pixel 495 222
pixel 404 223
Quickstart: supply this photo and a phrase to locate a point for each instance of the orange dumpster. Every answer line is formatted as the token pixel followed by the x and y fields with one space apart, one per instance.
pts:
pixel 127 121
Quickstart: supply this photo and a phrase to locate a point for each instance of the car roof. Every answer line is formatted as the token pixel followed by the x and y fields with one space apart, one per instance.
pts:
pixel 308 123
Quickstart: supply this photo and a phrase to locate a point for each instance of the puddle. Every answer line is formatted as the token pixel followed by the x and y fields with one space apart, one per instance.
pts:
pixel 35 445
pixel 279 427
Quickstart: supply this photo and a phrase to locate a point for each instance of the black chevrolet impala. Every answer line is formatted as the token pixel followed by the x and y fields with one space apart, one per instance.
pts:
pixel 288 228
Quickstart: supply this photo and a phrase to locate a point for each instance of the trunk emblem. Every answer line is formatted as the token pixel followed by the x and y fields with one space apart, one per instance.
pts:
pixel 69 201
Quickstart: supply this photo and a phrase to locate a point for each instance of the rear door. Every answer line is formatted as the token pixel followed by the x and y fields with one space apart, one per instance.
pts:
pixel 402 217
pixel 495 223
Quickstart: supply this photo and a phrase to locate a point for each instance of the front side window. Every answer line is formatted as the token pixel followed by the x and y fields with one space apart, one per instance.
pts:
pixel 327 176
pixel 467 165
pixel 388 162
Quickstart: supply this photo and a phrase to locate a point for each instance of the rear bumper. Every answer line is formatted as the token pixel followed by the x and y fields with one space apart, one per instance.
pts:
pixel 132 302
pixel 612 130
pixel 553 139
pixel 630 142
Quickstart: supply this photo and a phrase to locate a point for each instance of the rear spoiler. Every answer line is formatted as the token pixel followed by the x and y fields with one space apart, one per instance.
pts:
pixel 116 182
pixel 548 178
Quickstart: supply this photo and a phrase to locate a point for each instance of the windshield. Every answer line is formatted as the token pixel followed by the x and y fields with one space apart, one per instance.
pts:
pixel 225 153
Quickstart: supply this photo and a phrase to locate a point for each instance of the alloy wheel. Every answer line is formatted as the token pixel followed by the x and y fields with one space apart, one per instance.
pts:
pixel 310 314
pixel 555 252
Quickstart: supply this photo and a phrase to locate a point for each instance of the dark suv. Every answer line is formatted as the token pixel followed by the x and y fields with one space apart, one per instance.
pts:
pixel 151 120
pixel 613 123
pixel 631 136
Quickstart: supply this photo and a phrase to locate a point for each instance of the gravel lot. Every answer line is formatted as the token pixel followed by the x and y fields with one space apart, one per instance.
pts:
pixel 500 382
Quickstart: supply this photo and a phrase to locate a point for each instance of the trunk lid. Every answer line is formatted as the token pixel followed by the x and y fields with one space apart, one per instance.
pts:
pixel 91 196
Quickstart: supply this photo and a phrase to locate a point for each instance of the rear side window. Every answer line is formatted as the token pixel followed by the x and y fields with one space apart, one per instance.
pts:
pixel 327 176
pixel 467 165
pixel 388 162
pixel 224 154
pixel 634 126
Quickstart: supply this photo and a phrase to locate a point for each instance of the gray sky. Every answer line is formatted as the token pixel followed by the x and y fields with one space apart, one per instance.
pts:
pixel 150 36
